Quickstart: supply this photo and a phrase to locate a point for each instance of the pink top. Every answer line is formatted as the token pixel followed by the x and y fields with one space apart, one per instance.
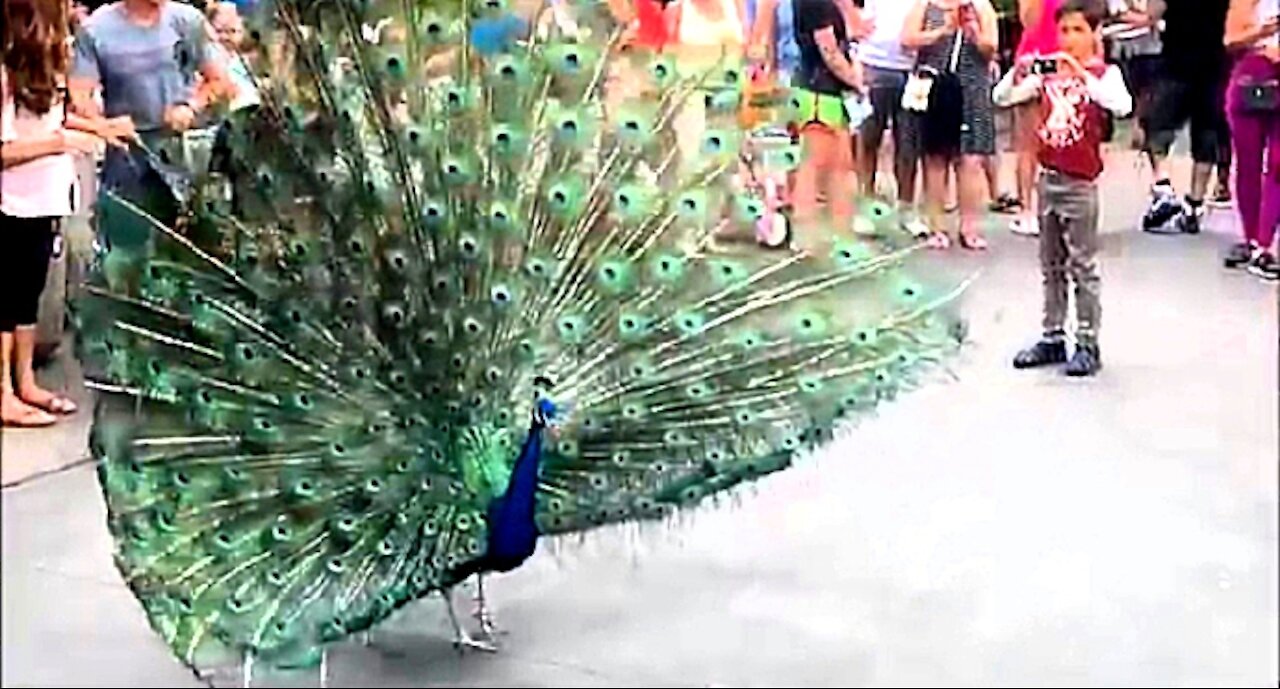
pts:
pixel 1041 39
pixel 41 188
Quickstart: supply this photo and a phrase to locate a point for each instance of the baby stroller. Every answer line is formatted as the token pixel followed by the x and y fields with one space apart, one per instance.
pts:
pixel 763 161
pixel 764 179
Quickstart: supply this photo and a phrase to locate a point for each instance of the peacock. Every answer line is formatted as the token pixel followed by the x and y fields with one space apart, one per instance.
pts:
pixel 457 291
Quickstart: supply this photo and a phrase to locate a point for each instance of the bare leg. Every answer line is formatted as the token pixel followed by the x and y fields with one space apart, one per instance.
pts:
pixel 969 179
pixel 12 409
pixel 324 668
pixel 935 190
pixel 24 348
pixel 461 639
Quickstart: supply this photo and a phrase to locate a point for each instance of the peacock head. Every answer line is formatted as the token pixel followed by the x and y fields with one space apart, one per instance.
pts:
pixel 544 408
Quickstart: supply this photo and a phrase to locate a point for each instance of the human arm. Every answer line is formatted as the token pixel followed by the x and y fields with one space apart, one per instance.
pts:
pixel 984 29
pixel 914 35
pixel 1110 91
pixel 1029 11
pixel 1017 87
pixel 836 59
pixel 1243 29
pixel 760 45
pixel 85 77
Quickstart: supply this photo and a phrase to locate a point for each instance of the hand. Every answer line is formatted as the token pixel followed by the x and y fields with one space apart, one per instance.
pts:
pixel 1269 28
pixel 119 131
pixel 76 141
pixel 1071 64
pixel 180 117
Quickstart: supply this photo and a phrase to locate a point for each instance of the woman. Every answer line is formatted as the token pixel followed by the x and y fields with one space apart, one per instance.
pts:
pixel 826 74
pixel 959 37
pixel 1253 109
pixel 37 185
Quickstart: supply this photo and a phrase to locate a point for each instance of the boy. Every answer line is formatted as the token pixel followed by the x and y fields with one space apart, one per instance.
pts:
pixel 1073 88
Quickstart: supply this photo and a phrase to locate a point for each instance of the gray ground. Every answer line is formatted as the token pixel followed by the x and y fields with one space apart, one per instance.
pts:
pixel 1003 529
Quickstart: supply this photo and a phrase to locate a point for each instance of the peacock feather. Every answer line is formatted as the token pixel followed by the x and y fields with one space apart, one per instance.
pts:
pixel 458 290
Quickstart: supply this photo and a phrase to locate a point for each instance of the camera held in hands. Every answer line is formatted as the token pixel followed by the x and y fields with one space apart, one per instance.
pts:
pixel 1044 66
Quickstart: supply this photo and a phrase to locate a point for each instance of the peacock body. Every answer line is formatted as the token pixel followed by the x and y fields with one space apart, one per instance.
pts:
pixel 457 291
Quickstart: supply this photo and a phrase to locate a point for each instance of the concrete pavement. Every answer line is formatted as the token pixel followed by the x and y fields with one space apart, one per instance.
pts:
pixel 1001 529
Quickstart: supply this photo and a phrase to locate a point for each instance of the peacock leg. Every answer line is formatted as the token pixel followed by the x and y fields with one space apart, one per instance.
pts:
pixel 461 639
pixel 483 614
pixel 324 668
pixel 366 637
pixel 246 670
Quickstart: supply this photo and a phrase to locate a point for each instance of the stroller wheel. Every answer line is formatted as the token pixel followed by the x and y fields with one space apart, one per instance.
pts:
pixel 774 232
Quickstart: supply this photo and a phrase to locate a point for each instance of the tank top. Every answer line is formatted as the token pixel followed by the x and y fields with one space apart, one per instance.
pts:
pixel 1042 38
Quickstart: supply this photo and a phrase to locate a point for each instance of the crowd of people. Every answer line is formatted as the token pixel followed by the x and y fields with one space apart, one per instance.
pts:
pixel 927 77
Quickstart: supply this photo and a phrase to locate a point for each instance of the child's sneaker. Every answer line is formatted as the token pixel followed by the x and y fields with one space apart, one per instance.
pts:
pixel 1240 255
pixel 1026 226
pixel 1087 361
pixel 1163 207
pixel 1264 265
pixel 1047 352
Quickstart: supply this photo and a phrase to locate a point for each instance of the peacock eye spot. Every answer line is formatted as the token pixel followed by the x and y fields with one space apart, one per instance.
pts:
pixel 624 200
pixel 632 126
pixel 433 28
pixel 572 59
pixel 806 323
pixel 414 136
pixel 451 169
pixel 690 204
pixel 569 126
pixel 504 138
pixel 629 323
pixel 508 71
pixel 559 197
pixel 454 99
pixel 909 292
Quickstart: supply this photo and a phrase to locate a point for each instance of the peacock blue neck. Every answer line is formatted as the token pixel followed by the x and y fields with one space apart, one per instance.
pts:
pixel 513 526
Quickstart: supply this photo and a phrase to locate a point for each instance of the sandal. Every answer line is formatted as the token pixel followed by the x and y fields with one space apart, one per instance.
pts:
pixel 1007 203
pixel 939 241
pixel 31 417
pixel 54 404
pixel 973 242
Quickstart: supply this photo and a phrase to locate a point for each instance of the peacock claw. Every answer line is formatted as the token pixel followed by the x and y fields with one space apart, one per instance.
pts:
pixel 463 641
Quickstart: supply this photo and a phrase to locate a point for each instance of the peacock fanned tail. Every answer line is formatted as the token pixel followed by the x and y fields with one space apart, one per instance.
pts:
pixel 312 390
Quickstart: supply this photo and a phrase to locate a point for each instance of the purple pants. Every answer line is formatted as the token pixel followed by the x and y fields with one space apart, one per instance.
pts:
pixel 1256 137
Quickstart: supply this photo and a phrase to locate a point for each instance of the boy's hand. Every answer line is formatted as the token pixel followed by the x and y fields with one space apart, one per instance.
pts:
pixel 1069 65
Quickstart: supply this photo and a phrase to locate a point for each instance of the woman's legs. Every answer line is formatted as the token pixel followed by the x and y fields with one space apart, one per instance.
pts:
pixel 1269 211
pixel 1248 135
pixel 828 162
pixel 970 177
pixel 23 265
pixel 936 170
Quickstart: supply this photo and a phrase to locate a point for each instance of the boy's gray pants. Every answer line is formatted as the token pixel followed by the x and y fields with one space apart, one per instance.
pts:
pixel 1069 246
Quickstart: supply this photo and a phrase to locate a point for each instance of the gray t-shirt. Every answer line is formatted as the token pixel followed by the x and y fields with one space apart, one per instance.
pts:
pixel 143 70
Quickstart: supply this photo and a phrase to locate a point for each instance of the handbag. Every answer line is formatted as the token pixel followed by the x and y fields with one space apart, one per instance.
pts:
pixel 1258 96
pixel 915 95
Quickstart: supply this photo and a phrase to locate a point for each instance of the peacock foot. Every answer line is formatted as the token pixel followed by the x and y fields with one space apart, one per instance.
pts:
pixel 463 642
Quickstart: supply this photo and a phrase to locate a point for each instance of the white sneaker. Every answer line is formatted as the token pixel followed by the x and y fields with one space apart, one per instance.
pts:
pixel 916 227
pixel 1025 227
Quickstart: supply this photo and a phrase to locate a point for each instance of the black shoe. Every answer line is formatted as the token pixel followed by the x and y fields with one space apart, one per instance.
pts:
pixel 1188 222
pixel 1240 255
pixel 1046 352
pixel 1264 265
pixel 1164 206
pixel 1087 361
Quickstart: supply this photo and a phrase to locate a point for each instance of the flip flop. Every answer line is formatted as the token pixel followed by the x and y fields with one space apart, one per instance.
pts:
pixel 939 241
pixel 973 242
pixel 56 404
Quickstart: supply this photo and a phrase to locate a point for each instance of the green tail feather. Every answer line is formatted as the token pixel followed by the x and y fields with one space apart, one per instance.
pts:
pixel 304 419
